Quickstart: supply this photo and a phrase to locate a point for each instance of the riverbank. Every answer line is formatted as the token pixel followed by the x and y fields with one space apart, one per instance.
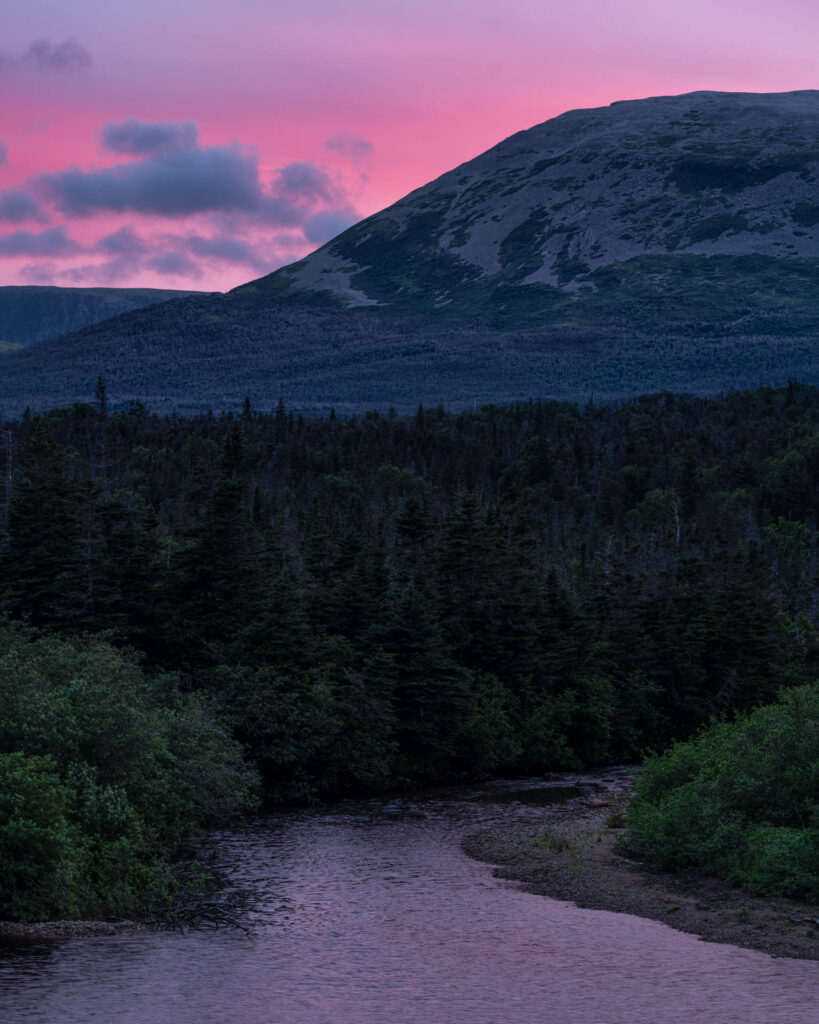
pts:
pixel 569 855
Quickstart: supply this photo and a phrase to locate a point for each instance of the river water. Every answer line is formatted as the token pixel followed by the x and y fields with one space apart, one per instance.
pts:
pixel 369 913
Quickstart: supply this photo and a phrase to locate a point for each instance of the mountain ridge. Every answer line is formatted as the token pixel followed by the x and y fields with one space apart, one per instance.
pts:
pixel 32 313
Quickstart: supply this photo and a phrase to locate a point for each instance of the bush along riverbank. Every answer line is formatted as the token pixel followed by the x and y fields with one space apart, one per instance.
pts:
pixel 740 800
pixel 104 773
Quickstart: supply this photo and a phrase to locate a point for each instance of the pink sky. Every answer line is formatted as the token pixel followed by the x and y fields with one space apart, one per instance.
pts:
pixel 191 143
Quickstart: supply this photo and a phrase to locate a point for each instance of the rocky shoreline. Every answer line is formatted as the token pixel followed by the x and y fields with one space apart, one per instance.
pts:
pixel 47 931
pixel 568 854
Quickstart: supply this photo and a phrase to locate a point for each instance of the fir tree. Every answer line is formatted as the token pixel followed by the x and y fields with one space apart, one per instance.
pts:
pixel 42 569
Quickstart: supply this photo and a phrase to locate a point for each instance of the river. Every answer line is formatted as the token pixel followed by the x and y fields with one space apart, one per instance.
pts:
pixel 369 913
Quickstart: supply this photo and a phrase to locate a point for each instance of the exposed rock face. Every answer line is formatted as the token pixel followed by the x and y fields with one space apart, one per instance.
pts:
pixel 708 173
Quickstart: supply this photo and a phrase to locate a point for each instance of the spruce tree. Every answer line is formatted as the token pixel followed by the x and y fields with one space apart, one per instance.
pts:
pixel 42 567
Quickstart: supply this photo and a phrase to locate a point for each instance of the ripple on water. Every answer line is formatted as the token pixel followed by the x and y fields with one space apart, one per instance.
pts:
pixel 370 913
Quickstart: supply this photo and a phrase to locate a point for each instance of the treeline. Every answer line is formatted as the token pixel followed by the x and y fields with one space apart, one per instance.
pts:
pixel 386 600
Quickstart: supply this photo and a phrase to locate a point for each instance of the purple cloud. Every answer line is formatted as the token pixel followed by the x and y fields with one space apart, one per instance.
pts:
pixel 4 153
pixel 38 273
pixel 149 138
pixel 174 184
pixel 67 56
pixel 281 212
pixel 354 146
pixel 168 174
pixel 303 182
pixel 110 272
pixel 175 264
pixel 17 205
pixel 51 242
pixel 124 242
pixel 223 247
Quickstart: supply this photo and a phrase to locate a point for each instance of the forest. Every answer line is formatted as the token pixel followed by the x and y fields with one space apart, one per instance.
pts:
pixel 203 612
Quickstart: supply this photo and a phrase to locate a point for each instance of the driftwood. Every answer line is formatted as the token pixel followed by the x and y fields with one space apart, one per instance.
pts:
pixel 214 912
pixel 202 898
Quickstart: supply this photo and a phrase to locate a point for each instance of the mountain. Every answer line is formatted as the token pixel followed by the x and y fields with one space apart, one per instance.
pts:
pixel 661 244
pixel 569 205
pixel 30 313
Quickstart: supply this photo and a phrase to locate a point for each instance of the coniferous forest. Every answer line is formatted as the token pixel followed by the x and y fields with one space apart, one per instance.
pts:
pixel 203 612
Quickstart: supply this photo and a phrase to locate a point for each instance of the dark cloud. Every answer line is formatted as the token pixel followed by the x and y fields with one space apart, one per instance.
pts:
pixel 51 242
pixel 348 144
pixel 326 224
pixel 303 182
pixel 282 212
pixel 175 264
pixel 172 184
pixel 67 56
pixel 125 242
pixel 223 247
pixel 17 205
pixel 148 138
pixel 4 153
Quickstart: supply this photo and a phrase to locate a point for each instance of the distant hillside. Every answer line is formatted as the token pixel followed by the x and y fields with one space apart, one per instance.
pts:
pixel 30 313
pixel 659 244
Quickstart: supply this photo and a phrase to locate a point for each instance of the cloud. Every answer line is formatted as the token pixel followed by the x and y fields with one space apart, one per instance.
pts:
pixel 51 242
pixel 17 205
pixel 354 146
pixel 174 184
pixel 4 153
pixel 224 248
pixel 175 264
pixel 124 242
pixel 148 138
pixel 129 247
pixel 38 273
pixel 326 224
pixel 110 272
pixel 45 56
pixel 304 182
pixel 167 174
pixel 282 212
pixel 67 56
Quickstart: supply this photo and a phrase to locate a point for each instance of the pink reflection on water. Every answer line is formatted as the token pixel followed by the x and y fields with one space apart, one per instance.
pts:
pixel 372 916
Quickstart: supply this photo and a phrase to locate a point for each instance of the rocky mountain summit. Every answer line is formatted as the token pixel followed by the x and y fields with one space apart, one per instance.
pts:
pixel 705 174
pixel 660 244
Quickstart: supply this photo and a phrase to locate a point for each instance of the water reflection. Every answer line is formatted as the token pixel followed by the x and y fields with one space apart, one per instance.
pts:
pixel 369 912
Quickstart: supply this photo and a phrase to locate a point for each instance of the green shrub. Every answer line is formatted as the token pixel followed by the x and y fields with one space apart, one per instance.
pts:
pixel 103 773
pixel 38 852
pixel 740 800
pixel 782 860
